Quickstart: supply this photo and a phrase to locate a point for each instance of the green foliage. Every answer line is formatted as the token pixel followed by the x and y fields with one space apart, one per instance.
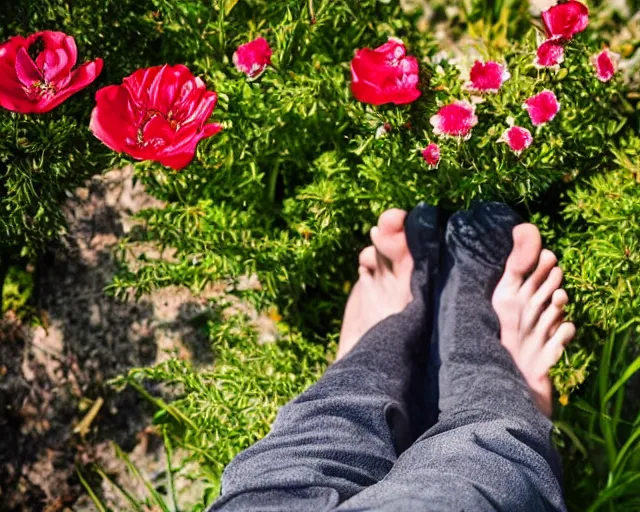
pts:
pixel 17 291
pixel 597 237
pixel 289 189
pixel 223 410
pixel 601 442
pixel 44 157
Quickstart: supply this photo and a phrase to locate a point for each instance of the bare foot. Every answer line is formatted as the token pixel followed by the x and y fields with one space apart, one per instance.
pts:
pixel 383 287
pixel 530 306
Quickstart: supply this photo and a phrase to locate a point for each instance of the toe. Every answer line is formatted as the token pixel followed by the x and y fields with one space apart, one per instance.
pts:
pixel 546 263
pixel 392 221
pixel 553 349
pixel 560 298
pixel 527 245
pixel 551 317
pixel 535 306
pixel 368 259
pixel 391 242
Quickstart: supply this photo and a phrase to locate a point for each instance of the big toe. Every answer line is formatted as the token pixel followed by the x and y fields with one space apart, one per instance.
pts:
pixel 389 237
pixel 392 221
pixel 527 245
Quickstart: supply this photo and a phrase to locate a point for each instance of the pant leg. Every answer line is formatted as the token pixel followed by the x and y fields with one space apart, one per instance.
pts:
pixel 345 432
pixel 491 448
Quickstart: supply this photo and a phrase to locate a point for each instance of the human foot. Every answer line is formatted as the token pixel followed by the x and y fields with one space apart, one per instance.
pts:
pixel 383 287
pixel 530 307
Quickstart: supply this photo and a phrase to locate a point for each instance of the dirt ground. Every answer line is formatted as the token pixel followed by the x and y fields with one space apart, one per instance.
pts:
pixel 51 376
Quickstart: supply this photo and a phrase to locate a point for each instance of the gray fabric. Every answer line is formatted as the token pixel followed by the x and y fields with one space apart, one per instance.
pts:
pixel 347 443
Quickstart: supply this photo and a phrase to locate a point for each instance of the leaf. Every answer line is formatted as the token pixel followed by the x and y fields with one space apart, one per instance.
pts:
pixel 628 373
pixel 94 498
pixel 229 5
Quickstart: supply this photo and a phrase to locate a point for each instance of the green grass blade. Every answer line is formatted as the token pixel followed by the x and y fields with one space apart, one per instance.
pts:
pixel 94 498
pixel 625 485
pixel 161 404
pixel 628 373
pixel 170 475
pixel 624 451
pixel 127 496
pixel 606 422
pixel 566 429
pixel 155 495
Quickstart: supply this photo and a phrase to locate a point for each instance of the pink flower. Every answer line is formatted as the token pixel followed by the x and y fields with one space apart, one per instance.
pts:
pixel 455 120
pixel 517 138
pixel 38 72
pixel 606 64
pixel 542 107
pixel 385 75
pixel 431 155
pixel 550 54
pixel 253 57
pixel 487 76
pixel 565 20
pixel 158 113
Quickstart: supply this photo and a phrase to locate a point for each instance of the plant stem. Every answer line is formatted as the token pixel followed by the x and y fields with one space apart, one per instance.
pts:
pixel 312 12
pixel 273 181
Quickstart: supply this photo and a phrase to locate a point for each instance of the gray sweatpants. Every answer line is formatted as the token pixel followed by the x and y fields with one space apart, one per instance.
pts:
pixel 356 440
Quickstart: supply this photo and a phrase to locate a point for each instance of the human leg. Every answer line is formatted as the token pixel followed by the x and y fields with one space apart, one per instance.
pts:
pixel 345 432
pixel 490 449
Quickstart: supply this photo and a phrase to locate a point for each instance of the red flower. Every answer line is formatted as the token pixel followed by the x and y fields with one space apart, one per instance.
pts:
pixel 455 120
pixel 385 75
pixel 431 155
pixel 606 64
pixel 550 54
pixel 253 57
pixel 542 107
pixel 563 21
pixel 157 113
pixel 487 76
pixel 517 138
pixel 36 72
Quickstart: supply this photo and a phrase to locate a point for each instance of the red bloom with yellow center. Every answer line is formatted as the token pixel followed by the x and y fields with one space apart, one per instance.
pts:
pixel 158 113
pixel 37 72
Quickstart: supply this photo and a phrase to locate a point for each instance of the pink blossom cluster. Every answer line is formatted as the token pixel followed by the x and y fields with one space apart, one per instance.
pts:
pixel 158 113
pixel 388 75
pixel 562 22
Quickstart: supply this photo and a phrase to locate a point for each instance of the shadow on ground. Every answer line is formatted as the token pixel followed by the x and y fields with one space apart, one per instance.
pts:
pixel 51 375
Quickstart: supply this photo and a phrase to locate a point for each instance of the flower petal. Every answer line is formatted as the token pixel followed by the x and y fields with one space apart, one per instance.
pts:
pixel 431 154
pixel 487 76
pixel 80 78
pixel 385 75
pixel 455 120
pixel 542 107
pixel 606 64
pixel 37 86
pixel 113 119
pixel 157 114
pixel 563 21
pixel 517 138
pixel 550 54
pixel 26 70
pixel 253 57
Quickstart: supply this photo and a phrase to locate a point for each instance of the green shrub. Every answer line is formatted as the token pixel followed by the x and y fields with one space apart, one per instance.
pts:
pixel 597 237
pixel 289 189
pixel 223 410
pixel 44 157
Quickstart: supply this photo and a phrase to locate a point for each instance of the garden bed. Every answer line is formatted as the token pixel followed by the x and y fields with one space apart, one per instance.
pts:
pixel 132 295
